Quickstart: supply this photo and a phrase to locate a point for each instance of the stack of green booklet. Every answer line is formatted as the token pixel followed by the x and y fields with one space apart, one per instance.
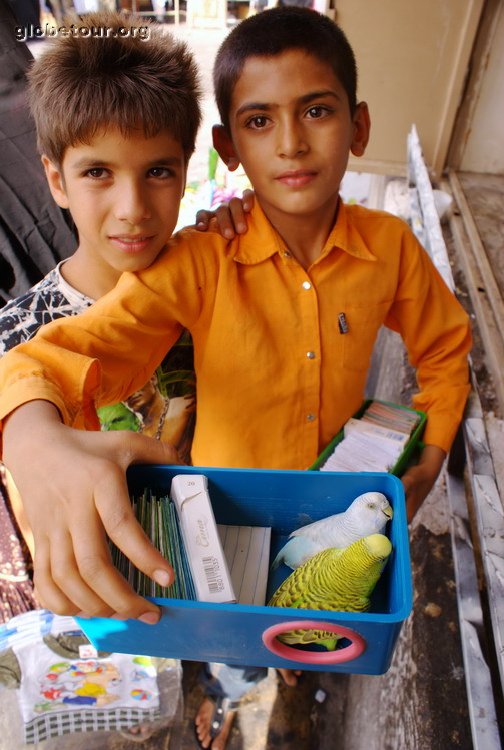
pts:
pixel 158 518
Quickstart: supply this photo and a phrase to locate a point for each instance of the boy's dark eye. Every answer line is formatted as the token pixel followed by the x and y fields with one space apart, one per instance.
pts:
pixel 257 122
pixel 96 173
pixel 317 111
pixel 160 172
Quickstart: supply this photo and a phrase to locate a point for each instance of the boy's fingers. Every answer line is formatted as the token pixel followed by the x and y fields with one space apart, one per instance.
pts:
pixel 89 585
pixel 49 595
pixel 113 504
pixel 203 219
pixel 238 214
pixel 112 501
pixel 230 217
pixel 98 587
pixel 73 568
pixel 225 220
pixel 68 579
pixel 248 199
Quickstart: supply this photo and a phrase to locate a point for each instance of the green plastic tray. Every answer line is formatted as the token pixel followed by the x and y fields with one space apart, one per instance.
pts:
pixel 413 444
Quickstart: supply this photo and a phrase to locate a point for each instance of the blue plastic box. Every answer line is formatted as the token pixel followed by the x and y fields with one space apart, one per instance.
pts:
pixel 246 635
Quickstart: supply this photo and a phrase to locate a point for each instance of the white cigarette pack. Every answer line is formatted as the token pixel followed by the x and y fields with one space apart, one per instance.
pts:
pixel 209 568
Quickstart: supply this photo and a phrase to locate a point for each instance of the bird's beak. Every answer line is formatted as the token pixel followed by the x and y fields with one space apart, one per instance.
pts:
pixel 388 512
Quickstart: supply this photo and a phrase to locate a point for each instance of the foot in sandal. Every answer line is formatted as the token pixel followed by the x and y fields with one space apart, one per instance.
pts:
pixel 213 722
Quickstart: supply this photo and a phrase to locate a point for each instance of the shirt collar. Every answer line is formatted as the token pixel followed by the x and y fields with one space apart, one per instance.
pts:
pixel 345 234
pixel 261 241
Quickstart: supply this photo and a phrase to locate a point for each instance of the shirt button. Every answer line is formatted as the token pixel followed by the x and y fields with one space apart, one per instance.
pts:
pixel 311 355
pixel 310 417
pixel 306 285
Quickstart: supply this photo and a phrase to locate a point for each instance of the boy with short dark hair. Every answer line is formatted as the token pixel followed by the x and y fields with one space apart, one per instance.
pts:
pixel 283 321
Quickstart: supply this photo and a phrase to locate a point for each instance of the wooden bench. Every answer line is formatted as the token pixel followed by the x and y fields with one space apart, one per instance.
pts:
pixel 477 515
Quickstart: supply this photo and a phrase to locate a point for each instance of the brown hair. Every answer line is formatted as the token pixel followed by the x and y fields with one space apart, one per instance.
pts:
pixel 275 31
pixel 109 69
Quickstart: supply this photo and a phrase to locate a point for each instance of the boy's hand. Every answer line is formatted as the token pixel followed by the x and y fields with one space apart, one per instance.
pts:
pixel 419 480
pixel 74 492
pixel 231 217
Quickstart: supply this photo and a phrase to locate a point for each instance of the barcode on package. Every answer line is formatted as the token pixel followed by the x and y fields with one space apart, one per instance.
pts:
pixel 212 574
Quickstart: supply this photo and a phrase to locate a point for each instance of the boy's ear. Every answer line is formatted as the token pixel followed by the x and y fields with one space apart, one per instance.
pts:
pixel 224 147
pixel 362 125
pixel 56 182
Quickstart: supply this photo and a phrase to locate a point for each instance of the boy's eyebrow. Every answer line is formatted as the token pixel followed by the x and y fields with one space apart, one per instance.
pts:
pixel 305 99
pixel 249 106
pixel 319 95
pixel 87 162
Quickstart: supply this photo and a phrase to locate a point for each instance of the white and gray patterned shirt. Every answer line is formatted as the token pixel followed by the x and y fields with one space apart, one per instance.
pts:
pixel 48 300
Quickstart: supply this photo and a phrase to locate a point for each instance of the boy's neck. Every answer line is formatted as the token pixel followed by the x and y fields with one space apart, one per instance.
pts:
pixel 304 236
pixel 94 279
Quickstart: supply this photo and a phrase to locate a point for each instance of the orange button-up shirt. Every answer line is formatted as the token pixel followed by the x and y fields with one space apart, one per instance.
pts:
pixel 281 353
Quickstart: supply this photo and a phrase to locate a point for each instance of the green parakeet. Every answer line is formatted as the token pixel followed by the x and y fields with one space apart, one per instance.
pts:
pixel 334 579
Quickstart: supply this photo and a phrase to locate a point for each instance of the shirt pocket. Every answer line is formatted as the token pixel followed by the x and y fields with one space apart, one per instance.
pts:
pixel 362 324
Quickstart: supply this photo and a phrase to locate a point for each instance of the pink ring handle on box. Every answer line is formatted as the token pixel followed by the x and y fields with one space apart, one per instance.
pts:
pixel 352 651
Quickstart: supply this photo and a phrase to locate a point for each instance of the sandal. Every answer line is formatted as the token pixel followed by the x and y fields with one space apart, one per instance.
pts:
pixel 222 707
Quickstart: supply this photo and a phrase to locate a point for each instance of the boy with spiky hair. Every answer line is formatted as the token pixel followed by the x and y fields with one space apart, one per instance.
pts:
pixel 122 79
pixel 283 320
pixel 124 84
pixel 143 82
pixel 85 87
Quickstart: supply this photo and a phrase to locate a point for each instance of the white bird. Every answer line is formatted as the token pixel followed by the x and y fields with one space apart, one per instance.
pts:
pixel 368 514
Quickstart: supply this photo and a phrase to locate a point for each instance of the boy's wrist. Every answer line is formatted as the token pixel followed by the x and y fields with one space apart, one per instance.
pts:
pixel 418 480
pixel 28 419
pixel 36 409
pixel 432 458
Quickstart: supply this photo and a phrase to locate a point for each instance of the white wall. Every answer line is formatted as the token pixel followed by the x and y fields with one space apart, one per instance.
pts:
pixel 413 60
pixel 482 145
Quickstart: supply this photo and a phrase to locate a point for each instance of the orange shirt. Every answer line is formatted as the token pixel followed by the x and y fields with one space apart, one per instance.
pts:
pixel 276 375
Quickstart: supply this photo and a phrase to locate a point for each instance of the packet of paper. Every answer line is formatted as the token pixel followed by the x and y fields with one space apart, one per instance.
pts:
pixel 209 569
pixel 247 550
pixel 385 433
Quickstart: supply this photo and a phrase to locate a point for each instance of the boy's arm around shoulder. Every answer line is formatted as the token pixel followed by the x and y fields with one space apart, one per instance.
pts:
pixel 107 352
